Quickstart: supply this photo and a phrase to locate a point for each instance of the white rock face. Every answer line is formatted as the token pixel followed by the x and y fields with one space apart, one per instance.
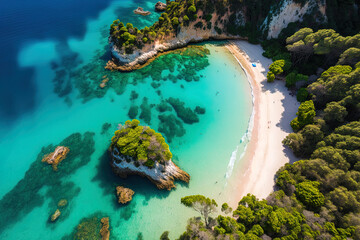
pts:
pixel 162 176
pixel 291 12
pixel 184 37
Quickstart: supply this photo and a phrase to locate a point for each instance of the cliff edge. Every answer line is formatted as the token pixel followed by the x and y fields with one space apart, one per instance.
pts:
pixel 185 22
pixel 139 150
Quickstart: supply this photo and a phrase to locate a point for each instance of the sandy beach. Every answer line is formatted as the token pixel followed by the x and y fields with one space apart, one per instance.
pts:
pixel 274 108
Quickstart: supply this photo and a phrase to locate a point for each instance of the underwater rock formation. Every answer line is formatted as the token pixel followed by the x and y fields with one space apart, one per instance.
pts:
pixel 171 126
pixel 26 194
pixel 104 81
pixel 56 157
pixel 56 215
pixel 160 6
pixel 104 231
pixel 141 11
pixel 139 150
pixel 94 227
pixel 184 113
pixel 62 203
pixel 124 194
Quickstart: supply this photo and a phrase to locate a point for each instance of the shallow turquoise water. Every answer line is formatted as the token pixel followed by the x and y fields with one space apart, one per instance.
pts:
pixel 204 151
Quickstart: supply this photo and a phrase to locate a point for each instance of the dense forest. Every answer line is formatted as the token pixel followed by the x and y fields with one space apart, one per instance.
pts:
pixel 317 197
pixel 243 18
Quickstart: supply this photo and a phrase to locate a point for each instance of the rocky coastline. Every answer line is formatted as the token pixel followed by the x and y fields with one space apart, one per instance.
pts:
pixel 163 176
pixel 140 58
pixel 205 27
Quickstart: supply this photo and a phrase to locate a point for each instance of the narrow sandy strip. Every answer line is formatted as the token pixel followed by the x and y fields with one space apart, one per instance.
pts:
pixel 273 110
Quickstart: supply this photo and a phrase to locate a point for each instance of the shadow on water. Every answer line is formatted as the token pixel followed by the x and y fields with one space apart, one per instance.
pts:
pixel 108 182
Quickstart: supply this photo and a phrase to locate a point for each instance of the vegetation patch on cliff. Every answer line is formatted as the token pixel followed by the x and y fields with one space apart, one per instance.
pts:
pixel 141 143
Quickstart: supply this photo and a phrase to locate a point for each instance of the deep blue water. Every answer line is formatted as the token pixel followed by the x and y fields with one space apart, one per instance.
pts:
pixel 23 22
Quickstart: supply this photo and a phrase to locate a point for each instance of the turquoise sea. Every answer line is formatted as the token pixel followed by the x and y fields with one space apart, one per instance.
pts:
pixel 52 62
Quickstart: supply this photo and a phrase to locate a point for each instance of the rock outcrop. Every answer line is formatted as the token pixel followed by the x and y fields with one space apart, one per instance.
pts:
pixel 104 231
pixel 124 194
pixel 279 15
pixel 290 11
pixel 62 203
pixel 163 176
pixel 128 62
pixel 56 215
pixel 160 6
pixel 141 11
pixel 56 157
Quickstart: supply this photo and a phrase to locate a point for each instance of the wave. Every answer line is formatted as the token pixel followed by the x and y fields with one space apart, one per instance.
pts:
pixel 247 136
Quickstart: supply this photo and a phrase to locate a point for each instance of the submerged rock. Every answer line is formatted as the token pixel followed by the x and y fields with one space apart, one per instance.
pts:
pixel 124 194
pixel 62 203
pixel 56 215
pixel 56 157
pixel 104 231
pixel 141 11
pixel 94 227
pixel 139 150
pixel 160 6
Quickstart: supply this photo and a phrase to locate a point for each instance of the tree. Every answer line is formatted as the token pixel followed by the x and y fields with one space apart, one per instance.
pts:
pixel 335 113
pixel 305 115
pixel 302 95
pixel 309 194
pixel 270 76
pixel 205 206
pixel 175 21
pixel 277 66
pixel 350 57
pixel 165 236
pixel 226 209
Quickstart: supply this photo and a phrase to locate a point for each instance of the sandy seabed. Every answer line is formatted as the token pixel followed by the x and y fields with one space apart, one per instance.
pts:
pixel 273 108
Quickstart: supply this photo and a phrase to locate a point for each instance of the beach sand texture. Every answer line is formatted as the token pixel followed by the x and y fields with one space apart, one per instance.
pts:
pixel 274 108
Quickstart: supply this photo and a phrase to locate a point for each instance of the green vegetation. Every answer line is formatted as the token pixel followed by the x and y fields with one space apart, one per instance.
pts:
pixel 317 197
pixel 205 206
pixel 141 144
pixel 305 115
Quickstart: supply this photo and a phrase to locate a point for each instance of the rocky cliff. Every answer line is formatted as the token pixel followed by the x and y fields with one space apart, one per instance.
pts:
pixel 132 48
pixel 190 34
pixel 289 11
pixel 162 175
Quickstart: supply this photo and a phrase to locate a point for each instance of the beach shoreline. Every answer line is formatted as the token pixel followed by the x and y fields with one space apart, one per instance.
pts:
pixel 273 109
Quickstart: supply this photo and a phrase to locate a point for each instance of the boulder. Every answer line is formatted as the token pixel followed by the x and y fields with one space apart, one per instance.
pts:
pixel 56 157
pixel 56 215
pixel 104 231
pixel 124 194
pixel 62 203
pixel 160 6
pixel 141 11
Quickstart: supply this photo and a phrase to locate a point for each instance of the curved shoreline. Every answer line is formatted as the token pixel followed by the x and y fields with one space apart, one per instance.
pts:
pixel 157 51
pixel 273 108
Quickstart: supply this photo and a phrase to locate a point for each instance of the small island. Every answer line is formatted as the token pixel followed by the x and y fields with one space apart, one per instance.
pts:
pixel 139 150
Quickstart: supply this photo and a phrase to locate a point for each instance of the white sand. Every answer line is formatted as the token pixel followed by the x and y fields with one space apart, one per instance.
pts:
pixel 274 109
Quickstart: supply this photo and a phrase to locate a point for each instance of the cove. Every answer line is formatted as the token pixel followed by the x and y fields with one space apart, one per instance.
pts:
pixel 209 150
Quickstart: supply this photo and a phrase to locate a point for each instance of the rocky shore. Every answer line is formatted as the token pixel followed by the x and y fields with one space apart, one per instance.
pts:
pixel 126 62
pixel 163 176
